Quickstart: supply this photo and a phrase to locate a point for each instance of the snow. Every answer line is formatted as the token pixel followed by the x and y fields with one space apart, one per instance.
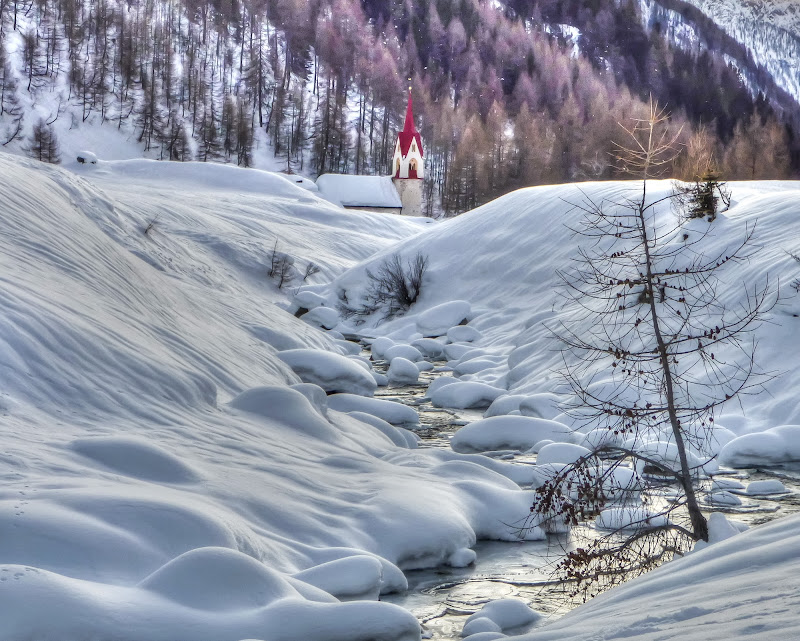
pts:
pixel 462 558
pixel 398 435
pixel 775 445
pixel 481 624
pixel 437 320
pixel 406 352
pixel 403 372
pixel 308 299
pixel 743 587
pixel 506 432
pixel 332 372
pixel 762 488
pixel 172 464
pixel 628 518
pixel 324 317
pixel 463 334
pixel 394 413
pixel 561 453
pixel 506 614
pixel 349 579
pixel 464 395
pixel 430 347
pixel 359 191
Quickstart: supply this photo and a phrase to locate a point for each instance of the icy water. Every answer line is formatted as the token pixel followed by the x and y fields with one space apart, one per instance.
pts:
pixel 442 598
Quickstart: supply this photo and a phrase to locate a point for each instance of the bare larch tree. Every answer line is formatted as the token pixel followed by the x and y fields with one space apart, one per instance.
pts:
pixel 650 352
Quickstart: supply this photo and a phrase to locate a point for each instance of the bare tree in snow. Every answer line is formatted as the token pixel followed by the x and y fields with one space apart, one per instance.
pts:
pixel 650 352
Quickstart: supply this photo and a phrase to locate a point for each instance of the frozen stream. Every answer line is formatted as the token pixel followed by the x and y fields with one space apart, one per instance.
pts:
pixel 442 598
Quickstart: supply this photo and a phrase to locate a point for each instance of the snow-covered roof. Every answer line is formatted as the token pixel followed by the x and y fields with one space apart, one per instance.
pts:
pixel 359 191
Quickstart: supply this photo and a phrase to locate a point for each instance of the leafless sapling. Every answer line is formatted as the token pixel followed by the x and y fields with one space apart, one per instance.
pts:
pixel 650 352
pixel 392 289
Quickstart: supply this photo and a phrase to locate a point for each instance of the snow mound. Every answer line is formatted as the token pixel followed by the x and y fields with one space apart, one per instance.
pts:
pixel 437 320
pixel 403 372
pixel 506 614
pixel 628 518
pixel 463 334
pixel 288 406
pixel 506 432
pixel 398 435
pixel 214 578
pixel 776 445
pixel 402 351
pixel 348 579
pixel 481 624
pixel 389 411
pixel 561 453
pixel 324 317
pixel 763 488
pixel 332 372
pixel 461 558
pixel 429 347
pixel 137 458
pixel 464 395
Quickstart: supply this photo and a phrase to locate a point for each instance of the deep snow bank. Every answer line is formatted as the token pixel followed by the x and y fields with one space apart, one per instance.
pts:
pixel 501 260
pixel 742 588
pixel 158 455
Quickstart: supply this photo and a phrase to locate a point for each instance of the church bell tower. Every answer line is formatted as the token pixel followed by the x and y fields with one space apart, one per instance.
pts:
pixel 408 165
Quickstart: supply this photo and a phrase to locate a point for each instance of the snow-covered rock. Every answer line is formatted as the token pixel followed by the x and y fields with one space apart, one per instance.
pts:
pixel 348 579
pixel 403 372
pixel 437 320
pixel 324 317
pixel 429 347
pixel 379 347
pixel 503 405
pixel 463 334
pixel 462 558
pixel 389 411
pixel 506 614
pixel 398 435
pixel 464 395
pixel 762 488
pixel 481 624
pixel 402 351
pixel 628 518
pixel 506 432
pixel 332 372
pixel 561 453
pixel 308 299
pixel 775 445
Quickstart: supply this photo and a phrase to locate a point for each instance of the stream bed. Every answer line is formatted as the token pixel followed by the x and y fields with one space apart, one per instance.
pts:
pixel 442 598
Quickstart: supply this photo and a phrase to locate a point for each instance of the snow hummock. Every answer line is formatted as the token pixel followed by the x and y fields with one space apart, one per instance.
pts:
pixel 394 413
pixel 465 394
pixel 775 445
pixel 505 614
pixel 403 372
pixel 332 372
pixel 507 432
pixel 437 320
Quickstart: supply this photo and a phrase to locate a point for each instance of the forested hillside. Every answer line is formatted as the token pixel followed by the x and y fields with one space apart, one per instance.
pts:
pixel 506 95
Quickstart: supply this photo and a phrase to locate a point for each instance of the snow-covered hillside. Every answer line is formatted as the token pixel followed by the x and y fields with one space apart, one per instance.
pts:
pixel 518 243
pixel 167 475
pixel 161 479
pixel 770 29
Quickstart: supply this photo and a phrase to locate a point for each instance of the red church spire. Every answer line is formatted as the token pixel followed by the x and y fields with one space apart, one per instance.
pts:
pixel 409 142
pixel 409 127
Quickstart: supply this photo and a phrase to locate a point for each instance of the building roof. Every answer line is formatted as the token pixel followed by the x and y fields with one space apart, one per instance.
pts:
pixel 409 132
pixel 359 191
